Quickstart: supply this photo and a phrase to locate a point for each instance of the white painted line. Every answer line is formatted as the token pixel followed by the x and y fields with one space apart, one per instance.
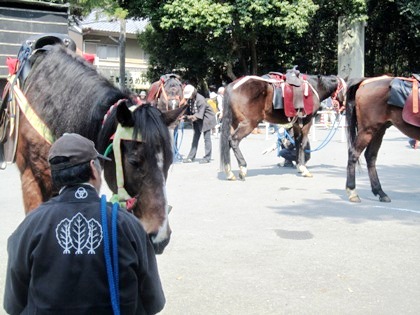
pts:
pixel 398 209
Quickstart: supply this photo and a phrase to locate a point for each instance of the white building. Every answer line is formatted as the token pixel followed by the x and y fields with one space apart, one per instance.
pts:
pixel 98 34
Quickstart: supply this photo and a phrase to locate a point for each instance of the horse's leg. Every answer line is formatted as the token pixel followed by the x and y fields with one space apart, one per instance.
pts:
pixel 244 128
pixel 371 155
pixel 361 142
pixel 301 145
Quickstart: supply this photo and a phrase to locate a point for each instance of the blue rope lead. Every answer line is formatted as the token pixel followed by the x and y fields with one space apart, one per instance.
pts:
pixel 112 272
pixel 114 238
pixel 177 148
pixel 330 135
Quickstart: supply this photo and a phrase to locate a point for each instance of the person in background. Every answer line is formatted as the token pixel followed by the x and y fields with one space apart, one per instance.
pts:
pixel 219 99
pixel 287 148
pixel 202 117
pixel 413 143
pixel 56 256
pixel 142 97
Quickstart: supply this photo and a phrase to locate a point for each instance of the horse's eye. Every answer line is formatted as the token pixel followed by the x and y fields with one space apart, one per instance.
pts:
pixel 134 161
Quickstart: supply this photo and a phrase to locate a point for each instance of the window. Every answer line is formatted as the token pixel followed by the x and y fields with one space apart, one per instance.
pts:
pixel 102 51
pixel 107 51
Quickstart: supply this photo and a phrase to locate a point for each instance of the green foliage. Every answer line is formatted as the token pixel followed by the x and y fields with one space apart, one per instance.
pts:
pixel 201 16
pixel 110 7
pixel 216 40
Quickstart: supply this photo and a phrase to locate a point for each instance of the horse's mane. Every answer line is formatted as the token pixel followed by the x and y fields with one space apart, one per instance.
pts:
pixel 69 93
pixel 149 124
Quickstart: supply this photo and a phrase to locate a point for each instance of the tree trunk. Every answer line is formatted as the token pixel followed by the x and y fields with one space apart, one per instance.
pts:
pixel 229 71
pixel 254 61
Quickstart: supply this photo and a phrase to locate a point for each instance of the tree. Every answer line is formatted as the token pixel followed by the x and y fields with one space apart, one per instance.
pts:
pixel 234 38
pixel 235 25
pixel 393 37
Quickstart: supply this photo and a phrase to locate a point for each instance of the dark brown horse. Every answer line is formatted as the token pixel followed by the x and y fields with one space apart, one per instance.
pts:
pixel 368 117
pixel 166 93
pixel 67 94
pixel 247 104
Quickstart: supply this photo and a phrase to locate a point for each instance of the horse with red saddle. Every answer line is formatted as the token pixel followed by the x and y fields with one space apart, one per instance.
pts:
pixel 373 105
pixel 292 99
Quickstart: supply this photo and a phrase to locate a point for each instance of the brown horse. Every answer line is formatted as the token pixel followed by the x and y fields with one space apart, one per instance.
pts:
pixel 247 104
pixel 166 93
pixel 63 93
pixel 368 116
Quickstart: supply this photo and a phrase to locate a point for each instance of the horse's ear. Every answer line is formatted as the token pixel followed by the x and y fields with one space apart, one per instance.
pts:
pixel 173 115
pixel 124 115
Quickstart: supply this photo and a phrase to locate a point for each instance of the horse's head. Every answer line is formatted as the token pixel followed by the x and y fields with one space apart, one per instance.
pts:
pixel 142 155
pixel 171 94
pixel 329 86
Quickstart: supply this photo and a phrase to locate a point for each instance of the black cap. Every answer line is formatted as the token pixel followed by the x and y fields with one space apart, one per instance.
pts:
pixel 75 147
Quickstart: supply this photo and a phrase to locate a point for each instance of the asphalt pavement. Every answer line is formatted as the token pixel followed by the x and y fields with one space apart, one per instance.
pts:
pixel 279 243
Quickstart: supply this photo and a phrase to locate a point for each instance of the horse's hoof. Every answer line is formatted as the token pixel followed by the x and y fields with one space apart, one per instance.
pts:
pixel 231 176
pixel 384 199
pixel 354 199
pixel 353 196
pixel 307 174
pixel 242 172
pixel 304 171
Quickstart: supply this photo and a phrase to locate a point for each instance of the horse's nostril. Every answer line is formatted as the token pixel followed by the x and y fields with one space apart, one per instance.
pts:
pixel 160 246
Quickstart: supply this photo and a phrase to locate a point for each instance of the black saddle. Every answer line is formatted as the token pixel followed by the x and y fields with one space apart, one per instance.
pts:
pixel 40 42
pixel 292 76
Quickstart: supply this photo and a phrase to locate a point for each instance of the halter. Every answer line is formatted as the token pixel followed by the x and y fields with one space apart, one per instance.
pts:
pixel 162 92
pixel 122 133
pixel 341 86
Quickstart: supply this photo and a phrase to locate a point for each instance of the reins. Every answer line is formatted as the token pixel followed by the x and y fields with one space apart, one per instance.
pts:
pixel 341 86
pixel 178 147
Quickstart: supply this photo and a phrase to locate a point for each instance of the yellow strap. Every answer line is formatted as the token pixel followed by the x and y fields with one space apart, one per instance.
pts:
pixel 33 118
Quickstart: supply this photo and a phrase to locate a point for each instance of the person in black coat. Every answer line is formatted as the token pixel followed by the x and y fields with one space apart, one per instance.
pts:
pixel 203 119
pixel 56 257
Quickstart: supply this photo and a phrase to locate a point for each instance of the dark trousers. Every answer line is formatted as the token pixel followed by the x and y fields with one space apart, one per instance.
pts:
pixel 194 144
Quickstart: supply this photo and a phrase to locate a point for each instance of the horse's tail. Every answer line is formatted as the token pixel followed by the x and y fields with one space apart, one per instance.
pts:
pixel 351 118
pixel 225 130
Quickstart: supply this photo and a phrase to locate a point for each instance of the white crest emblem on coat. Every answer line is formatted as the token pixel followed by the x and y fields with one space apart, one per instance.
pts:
pixel 81 193
pixel 79 234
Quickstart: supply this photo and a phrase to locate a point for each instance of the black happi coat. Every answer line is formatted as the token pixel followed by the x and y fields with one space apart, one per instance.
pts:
pixel 56 260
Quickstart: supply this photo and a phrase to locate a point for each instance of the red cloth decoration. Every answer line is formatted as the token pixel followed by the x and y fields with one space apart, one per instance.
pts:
pixel 12 64
pixel 89 58
pixel 289 106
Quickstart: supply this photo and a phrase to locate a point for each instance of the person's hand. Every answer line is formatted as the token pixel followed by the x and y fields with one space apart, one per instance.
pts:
pixel 192 118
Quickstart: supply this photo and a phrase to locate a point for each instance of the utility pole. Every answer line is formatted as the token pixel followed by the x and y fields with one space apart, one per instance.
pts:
pixel 121 47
